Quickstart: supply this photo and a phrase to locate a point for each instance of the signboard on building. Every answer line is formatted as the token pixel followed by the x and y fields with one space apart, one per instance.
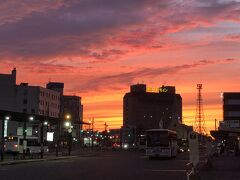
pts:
pixel 194 148
pixel 5 128
pixel 50 136
pixel 20 131
pixel 163 89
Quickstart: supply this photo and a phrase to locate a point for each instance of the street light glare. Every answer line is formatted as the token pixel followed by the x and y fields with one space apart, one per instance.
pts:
pixel 31 118
pixel 45 123
pixel 7 118
pixel 68 116
pixel 67 124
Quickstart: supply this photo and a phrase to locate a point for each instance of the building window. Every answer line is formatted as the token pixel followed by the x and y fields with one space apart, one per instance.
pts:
pixel 24 101
pixel 25 92
pixel 33 111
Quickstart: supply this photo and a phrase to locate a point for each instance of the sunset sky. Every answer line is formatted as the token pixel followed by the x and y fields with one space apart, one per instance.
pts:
pixel 98 48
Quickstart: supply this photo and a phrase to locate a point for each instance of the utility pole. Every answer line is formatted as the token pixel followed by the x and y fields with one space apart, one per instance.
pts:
pixel 41 138
pixel 215 124
pixel 106 133
pixel 105 125
pixel 93 137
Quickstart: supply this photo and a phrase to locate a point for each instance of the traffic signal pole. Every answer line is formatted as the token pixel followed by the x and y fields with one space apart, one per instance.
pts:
pixel 41 139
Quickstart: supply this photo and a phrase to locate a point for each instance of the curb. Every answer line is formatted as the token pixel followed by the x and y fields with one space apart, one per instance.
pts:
pixel 44 160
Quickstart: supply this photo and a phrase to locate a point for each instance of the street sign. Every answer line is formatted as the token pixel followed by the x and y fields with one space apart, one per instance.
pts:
pixel 28 131
pixel 194 148
pixel 50 136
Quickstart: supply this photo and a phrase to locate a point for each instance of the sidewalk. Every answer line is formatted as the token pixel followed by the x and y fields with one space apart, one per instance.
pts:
pixel 50 157
pixel 223 168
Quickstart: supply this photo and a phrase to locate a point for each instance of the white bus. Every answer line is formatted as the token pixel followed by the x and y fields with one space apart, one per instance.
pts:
pixel 14 144
pixel 161 143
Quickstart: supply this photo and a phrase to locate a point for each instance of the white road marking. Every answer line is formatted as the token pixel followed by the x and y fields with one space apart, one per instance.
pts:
pixel 167 170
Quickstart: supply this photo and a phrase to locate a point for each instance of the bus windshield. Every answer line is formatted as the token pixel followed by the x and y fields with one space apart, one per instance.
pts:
pixel 157 138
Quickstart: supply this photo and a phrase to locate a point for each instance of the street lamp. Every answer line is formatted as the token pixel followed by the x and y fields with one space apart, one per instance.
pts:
pixel 67 124
pixel 68 116
pixel 68 127
pixel 31 118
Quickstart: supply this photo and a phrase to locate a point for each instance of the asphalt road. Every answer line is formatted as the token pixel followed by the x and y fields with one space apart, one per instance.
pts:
pixel 105 166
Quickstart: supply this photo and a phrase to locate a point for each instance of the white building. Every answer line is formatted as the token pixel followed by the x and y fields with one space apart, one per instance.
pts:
pixel 37 100
pixel 27 99
pixel 23 98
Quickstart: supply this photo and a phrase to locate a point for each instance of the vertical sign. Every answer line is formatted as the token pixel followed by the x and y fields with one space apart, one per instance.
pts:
pixel 5 127
pixel 194 148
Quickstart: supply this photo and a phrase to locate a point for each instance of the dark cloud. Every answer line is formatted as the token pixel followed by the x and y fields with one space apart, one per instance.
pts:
pixel 233 37
pixel 99 29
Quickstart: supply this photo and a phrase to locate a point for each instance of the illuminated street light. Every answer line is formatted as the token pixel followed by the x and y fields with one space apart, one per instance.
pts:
pixel 68 116
pixel 31 118
pixel 45 123
pixel 7 118
pixel 67 124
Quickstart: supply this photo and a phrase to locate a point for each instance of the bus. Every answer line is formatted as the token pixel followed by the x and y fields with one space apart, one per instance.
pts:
pixel 14 144
pixel 161 143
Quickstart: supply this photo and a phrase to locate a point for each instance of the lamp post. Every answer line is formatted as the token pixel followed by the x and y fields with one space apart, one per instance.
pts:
pixel 43 123
pixel 69 127
pixel 89 129
pixel 30 119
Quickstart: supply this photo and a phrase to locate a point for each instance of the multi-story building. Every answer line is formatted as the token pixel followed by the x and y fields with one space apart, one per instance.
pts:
pixel 27 99
pixel 231 109
pixel 37 100
pixel 147 108
pixel 72 105
pixel 7 91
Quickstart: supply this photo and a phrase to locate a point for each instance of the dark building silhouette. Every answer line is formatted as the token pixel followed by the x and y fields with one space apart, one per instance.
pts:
pixel 231 106
pixel 148 108
pixel 70 105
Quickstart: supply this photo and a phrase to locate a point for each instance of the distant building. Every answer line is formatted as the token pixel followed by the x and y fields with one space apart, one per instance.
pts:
pixel 231 106
pixel 72 105
pixel 149 108
pixel 56 86
pixel 7 91
pixel 37 100
pixel 231 109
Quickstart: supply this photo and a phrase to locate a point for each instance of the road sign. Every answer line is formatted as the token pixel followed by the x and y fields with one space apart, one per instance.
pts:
pixel 194 148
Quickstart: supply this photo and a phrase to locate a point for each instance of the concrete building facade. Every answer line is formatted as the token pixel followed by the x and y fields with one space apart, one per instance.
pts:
pixel 27 99
pixel 72 105
pixel 231 106
pixel 150 108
